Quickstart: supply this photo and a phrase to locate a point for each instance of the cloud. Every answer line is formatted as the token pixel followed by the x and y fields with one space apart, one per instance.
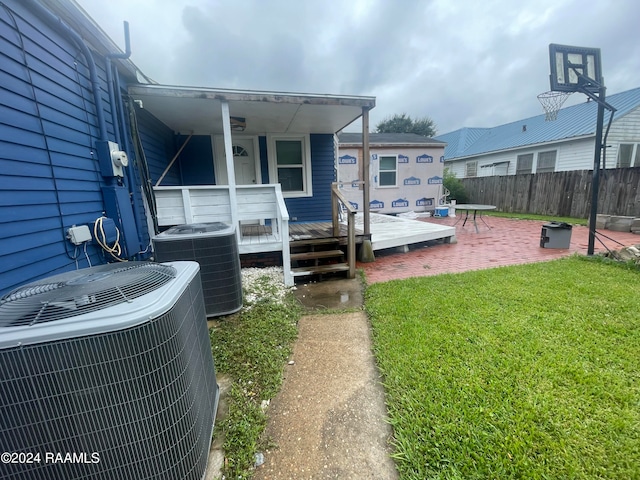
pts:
pixel 462 63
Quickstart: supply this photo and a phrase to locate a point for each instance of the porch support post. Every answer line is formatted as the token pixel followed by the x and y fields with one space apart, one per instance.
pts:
pixel 366 158
pixel 231 174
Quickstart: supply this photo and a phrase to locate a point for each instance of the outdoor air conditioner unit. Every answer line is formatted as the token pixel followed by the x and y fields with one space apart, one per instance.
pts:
pixel 107 372
pixel 214 246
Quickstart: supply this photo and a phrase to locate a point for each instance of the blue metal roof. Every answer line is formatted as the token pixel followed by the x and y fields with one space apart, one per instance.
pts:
pixel 575 121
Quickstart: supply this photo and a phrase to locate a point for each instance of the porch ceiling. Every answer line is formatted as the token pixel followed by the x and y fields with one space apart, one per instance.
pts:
pixel 198 110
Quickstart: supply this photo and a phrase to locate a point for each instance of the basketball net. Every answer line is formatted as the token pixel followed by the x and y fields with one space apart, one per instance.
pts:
pixel 552 102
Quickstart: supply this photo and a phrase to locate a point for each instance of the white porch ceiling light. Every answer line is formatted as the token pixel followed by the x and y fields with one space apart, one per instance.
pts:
pixel 238 124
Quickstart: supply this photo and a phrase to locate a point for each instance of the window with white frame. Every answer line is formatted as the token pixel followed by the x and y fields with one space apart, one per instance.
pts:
pixel 546 162
pixel 471 169
pixel 524 163
pixel 628 155
pixel 388 170
pixel 290 164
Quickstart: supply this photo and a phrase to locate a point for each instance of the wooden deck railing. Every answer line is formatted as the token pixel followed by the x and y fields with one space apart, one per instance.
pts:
pixel 339 202
pixel 259 204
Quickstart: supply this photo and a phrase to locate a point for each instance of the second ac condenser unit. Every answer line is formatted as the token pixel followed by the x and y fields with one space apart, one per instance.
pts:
pixel 215 247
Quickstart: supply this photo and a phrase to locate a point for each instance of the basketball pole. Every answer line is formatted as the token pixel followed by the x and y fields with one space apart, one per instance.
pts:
pixel 595 178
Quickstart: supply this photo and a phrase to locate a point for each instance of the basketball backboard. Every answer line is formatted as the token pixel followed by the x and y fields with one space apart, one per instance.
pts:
pixel 573 68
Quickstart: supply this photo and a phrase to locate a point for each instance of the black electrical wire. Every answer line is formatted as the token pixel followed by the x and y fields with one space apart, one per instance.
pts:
pixel 143 166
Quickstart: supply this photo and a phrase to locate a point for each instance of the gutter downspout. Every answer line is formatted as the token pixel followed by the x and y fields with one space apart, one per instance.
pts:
pixel 112 97
pixel 57 23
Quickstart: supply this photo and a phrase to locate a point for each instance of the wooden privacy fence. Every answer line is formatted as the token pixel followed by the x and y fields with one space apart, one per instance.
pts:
pixel 565 194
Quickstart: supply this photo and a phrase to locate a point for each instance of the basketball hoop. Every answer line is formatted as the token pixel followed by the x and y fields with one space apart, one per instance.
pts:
pixel 552 102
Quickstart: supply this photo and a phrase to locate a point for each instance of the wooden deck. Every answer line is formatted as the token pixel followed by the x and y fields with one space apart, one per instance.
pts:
pixel 303 231
pixel 386 232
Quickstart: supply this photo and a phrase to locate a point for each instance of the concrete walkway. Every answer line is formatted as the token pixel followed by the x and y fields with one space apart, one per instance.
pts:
pixel 329 419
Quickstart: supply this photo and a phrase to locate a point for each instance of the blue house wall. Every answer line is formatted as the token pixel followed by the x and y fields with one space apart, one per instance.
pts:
pixel 50 178
pixel 318 207
pixel 196 160
pixel 158 143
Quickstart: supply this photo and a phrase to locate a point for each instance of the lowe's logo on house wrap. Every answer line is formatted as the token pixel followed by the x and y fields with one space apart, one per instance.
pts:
pixel 347 160
pixel 424 202
pixel 403 159
pixel 399 203
pixel 424 158
pixel 354 205
pixel 434 180
pixel 377 204
pixel 412 181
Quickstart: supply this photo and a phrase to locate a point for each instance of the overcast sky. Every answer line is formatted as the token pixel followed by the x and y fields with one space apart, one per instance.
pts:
pixel 463 63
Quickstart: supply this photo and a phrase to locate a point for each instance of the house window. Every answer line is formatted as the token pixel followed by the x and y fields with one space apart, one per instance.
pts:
pixel 628 155
pixel 290 164
pixel 524 163
pixel 388 170
pixel 471 169
pixel 546 162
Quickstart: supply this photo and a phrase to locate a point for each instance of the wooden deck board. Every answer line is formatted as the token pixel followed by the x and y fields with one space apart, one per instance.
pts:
pixel 298 231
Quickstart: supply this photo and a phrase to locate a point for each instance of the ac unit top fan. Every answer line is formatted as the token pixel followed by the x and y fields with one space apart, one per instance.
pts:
pixel 58 306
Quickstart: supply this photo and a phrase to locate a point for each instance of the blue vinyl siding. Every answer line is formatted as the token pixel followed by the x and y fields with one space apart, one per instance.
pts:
pixel 159 149
pixel 318 207
pixel 196 160
pixel 264 159
pixel 49 174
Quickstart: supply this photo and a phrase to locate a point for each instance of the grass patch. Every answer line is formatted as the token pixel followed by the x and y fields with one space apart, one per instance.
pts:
pixel 529 371
pixel 533 216
pixel 252 347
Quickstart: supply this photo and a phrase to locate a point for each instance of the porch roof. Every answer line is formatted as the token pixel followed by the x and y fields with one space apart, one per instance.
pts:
pixel 198 109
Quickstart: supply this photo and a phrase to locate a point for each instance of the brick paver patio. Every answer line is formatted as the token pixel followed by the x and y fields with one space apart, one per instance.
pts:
pixel 507 242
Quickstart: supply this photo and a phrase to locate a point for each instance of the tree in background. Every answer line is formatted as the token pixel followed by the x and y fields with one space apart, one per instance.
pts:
pixel 455 187
pixel 403 123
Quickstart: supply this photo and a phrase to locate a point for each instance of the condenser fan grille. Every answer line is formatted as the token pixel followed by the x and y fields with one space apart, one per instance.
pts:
pixel 81 291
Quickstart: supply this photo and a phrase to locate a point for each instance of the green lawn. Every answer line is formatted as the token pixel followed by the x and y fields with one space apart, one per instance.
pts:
pixel 527 372
pixel 534 216
pixel 252 347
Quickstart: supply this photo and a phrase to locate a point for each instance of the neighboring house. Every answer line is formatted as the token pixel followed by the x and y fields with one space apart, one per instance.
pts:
pixel 533 145
pixel 405 171
pixel 71 104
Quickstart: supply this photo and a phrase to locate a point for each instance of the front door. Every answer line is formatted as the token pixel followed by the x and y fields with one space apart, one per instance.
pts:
pixel 244 161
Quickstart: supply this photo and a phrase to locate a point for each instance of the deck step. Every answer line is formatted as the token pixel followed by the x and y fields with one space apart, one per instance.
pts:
pixel 319 269
pixel 318 254
pixel 313 241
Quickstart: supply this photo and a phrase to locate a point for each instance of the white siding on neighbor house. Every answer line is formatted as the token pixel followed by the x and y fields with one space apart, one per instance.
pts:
pixel 572 155
pixel 456 167
pixel 623 130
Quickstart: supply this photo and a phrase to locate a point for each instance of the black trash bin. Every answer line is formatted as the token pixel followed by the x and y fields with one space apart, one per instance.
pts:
pixel 556 235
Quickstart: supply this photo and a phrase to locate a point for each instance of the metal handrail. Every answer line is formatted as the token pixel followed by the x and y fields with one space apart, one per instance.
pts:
pixel 338 198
